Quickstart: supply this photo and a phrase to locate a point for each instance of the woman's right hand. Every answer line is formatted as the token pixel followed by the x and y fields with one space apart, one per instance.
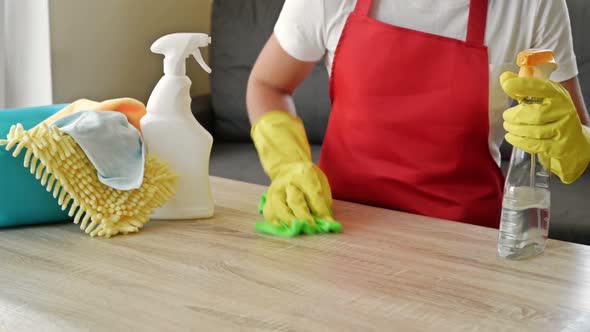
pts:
pixel 299 199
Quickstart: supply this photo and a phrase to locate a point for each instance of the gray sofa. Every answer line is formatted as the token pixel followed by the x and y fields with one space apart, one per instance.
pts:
pixel 240 29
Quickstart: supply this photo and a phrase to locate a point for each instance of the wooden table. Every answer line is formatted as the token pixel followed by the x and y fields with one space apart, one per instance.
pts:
pixel 388 271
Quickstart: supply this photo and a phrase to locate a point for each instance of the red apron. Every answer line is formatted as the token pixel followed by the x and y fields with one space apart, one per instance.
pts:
pixel 409 124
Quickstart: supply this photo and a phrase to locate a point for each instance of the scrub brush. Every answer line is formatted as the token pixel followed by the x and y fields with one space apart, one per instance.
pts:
pixel 58 162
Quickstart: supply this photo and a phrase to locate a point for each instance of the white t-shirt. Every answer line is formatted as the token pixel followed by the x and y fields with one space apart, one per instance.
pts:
pixel 309 30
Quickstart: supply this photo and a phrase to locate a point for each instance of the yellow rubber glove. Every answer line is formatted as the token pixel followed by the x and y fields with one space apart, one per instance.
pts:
pixel 299 199
pixel 551 128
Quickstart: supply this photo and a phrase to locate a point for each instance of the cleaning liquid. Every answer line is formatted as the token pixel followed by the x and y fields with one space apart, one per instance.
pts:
pixel 526 204
pixel 172 133
pixel 525 221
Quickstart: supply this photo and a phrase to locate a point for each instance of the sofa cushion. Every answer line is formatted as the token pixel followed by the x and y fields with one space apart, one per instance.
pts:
pixel 239 161
pixel 579 11
pixel 239 31
pixel 234 52
pixel 570 218
pixel 570 215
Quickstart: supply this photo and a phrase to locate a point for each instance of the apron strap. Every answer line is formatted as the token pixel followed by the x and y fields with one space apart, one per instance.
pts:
pixel 363 7
pixel 476 28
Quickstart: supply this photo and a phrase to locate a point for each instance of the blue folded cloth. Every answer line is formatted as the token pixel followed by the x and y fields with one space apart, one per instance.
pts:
pixel 112 145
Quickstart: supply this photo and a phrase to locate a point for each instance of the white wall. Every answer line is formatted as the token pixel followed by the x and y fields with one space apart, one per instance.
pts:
pixel 57 51
pixel 26 46
pixel 101 48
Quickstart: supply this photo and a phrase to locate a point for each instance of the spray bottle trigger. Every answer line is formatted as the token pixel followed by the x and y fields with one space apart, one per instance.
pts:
pixel 201 61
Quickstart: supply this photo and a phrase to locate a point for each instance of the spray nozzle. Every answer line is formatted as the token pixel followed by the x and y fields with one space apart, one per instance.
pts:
pixel 536 63
pixel 177 47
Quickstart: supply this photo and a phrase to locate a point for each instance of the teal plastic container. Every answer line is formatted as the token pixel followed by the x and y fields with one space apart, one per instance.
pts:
pixel 23 200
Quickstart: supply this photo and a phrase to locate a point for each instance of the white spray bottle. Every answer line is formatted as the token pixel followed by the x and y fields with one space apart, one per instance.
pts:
pixel 172 133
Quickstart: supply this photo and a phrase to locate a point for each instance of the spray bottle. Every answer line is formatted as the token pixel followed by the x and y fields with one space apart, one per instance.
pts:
pixel 172 133
pixel 524 225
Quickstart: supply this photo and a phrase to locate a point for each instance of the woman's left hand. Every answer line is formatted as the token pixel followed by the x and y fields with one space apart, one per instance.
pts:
pixel 550 127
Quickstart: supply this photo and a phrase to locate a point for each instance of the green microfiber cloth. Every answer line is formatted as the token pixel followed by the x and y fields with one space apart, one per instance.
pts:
pixel 296 227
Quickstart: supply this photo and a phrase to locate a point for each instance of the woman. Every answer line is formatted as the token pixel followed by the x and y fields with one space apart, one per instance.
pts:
pixel 419 90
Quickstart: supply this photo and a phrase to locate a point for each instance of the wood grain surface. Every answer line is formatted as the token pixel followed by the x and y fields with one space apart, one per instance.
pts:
pixel 388 271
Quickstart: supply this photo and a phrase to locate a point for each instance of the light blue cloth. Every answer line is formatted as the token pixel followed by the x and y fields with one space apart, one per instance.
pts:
pixel 112 145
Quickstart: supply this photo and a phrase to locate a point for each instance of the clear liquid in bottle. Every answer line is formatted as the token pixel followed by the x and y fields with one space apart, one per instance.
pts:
pixel 525 222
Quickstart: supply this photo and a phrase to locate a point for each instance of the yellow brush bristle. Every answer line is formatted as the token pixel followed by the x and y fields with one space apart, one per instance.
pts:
pixel 58 162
